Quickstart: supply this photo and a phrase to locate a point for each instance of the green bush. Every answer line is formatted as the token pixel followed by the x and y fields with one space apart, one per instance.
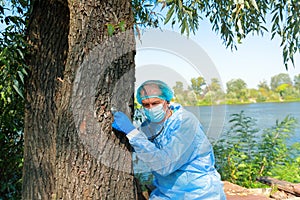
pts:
pixel 11 142
pixel 244 153
pixel 13 15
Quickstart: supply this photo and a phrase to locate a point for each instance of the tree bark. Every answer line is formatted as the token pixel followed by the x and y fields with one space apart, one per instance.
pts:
pixel 77 74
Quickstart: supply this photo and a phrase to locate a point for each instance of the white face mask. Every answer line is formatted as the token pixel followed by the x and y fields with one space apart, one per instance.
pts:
pixel 156 114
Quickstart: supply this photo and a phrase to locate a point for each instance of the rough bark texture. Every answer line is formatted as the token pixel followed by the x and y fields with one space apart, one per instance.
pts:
pixel 77 73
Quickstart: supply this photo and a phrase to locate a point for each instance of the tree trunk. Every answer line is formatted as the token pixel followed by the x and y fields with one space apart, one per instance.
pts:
pixel 77 74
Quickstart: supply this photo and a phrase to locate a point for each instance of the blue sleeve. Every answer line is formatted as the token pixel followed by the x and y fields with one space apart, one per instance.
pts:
pixel 177 152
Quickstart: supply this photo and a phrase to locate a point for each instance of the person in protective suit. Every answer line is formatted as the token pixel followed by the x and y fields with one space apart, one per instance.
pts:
pixel 172 143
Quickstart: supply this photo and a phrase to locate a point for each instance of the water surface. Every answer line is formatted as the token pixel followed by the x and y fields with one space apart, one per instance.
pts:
pixel 215 118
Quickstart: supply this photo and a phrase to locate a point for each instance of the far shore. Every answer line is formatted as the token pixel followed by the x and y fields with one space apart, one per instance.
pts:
pixel 244 102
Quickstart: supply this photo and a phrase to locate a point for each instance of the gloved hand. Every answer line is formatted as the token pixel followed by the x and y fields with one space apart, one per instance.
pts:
pixel 122 123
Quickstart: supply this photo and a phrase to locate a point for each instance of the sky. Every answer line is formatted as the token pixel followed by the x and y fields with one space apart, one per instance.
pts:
pixel 257 59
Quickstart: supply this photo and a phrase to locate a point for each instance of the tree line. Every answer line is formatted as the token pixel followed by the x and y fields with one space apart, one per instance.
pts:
pixel 281 89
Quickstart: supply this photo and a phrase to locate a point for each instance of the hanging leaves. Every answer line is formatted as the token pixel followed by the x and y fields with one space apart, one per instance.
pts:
pixel 232 20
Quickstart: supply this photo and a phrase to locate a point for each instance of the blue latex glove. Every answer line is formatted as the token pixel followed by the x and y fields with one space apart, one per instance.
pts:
pixel 122 123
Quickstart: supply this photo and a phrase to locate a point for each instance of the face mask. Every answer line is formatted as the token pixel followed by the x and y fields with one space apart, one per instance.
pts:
pixel 155 114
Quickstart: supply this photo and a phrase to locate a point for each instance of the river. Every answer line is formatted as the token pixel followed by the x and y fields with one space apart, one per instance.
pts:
pixel 215 118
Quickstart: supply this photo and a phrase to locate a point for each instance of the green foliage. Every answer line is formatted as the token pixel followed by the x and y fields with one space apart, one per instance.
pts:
pixel 232 20
pixel 237 88
pixel 184 96
pixel 297 82
pixel 11 141
pixel 236 150
pixel 12 78
pixel 263 85
pixel 111 28
pixel 279 79
pixel 244 153
pixel 285 23
pixel 275 139
pixel 145 13
pixel 197 85
pixel 289 171
pixel 200 93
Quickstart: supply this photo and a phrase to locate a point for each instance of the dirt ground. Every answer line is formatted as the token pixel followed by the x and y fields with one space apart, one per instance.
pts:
pixel 235 192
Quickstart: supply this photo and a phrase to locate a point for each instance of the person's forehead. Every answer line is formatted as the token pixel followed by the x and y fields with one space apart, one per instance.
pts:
pixel 151 89
pixel 152 100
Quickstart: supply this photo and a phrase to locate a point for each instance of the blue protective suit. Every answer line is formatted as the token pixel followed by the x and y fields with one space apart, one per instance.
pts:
pixel 181 158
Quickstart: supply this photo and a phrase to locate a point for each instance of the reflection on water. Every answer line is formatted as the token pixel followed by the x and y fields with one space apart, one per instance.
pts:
pixel 215 118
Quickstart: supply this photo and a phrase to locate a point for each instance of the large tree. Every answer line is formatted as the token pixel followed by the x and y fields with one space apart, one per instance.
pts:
pixel 80 52
pixel 75 66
